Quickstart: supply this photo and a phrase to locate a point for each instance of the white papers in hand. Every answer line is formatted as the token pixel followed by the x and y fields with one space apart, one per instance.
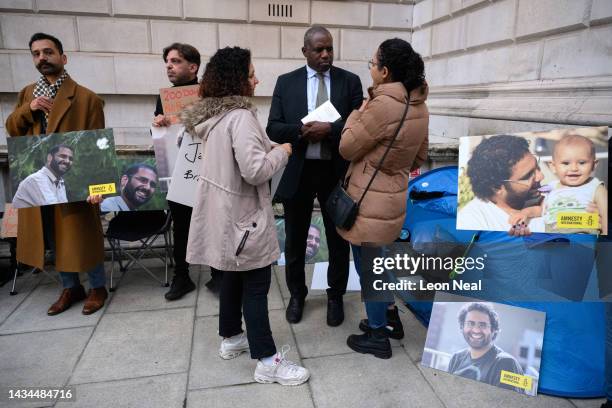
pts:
pixel 324 113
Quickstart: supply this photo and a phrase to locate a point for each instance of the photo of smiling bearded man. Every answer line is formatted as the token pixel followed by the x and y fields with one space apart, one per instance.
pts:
pixel 138 184
pixel 482 360
pixel 46 186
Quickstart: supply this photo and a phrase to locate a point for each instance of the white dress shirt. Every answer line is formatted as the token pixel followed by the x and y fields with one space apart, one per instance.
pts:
pixel 40 188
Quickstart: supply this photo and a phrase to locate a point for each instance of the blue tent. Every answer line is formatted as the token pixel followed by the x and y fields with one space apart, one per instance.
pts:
pixel 574 340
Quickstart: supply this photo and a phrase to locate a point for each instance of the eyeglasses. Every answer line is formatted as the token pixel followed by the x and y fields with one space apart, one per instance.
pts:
pixel 144 180
pixel 371 63
pixel 527 180
pixel 481 325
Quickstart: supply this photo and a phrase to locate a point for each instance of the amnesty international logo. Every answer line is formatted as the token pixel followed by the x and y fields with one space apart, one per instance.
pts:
pixel 516 380
pixel 108 188
pixel 577 220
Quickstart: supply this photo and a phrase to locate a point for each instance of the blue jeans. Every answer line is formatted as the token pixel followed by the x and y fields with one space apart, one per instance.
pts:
pixel 96 275
pixel 376 311
pixel 608 364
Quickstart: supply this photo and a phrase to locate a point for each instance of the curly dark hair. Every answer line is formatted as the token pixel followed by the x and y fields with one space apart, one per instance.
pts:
pixel 483 308
pixel 227 74
pixel 403 62
pixel 492 161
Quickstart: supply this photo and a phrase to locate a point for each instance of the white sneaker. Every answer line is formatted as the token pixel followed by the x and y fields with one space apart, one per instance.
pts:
pixel 232 347
pixel 283 371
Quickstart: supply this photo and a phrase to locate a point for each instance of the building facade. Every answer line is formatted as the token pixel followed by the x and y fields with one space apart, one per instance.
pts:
pixel 492 66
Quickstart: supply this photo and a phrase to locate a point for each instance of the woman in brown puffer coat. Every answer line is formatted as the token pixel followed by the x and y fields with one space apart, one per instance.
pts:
pixel 398 78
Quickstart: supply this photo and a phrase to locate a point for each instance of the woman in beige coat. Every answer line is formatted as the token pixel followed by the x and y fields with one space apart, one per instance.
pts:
pixel 398 78
pixel 232 225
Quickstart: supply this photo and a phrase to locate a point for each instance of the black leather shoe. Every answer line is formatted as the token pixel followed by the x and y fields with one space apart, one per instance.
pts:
pixel 375 342
pixel 294 310
pixel 181 285
pixel 335 312
pixel 394 328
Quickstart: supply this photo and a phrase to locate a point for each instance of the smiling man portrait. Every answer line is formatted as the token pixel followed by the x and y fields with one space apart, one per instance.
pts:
pixel 482 360
pixel 46 186
pixel 138 184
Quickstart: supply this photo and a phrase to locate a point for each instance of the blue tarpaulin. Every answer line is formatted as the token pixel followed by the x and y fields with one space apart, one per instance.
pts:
pixel 572 362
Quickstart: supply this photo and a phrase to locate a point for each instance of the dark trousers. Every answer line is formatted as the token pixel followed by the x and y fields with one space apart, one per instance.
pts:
pixel 181 218
pixel 317 180
pixel 247 292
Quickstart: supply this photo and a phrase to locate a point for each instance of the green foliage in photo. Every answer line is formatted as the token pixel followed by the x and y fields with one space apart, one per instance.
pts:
pixel 95 159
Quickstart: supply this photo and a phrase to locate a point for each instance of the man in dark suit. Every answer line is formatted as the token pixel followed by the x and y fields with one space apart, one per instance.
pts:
pixel 315 167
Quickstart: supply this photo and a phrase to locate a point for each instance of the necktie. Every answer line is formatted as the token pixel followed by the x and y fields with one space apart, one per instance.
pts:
pixel 321 91
pixel 322 97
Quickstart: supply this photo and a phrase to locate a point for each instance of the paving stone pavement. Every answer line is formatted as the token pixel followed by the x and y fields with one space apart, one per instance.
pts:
pixel 142 351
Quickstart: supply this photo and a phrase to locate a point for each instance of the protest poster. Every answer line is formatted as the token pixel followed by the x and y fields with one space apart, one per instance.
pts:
pixel 61 167
pixel 316 242
pixel 176 98
pixel 493 343
pixel 554 181
pixel 186 171
pixel 166 140
pixel 137 186
pixel 9 222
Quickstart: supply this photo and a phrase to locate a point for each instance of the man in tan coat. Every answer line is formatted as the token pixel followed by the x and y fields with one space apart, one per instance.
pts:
pixel 55 103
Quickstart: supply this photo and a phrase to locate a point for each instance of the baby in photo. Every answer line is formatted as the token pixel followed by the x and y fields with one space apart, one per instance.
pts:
pixel 577 191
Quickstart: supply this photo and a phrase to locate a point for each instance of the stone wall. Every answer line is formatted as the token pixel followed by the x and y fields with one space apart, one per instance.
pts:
pixel 114 46
pixel 493 66
pixel 515 65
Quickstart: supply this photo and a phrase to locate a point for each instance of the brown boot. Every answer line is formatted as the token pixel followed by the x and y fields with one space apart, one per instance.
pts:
pixel 95 300
pixel 66 299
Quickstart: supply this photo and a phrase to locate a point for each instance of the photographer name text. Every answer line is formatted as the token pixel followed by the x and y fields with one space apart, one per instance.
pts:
pixel 421 285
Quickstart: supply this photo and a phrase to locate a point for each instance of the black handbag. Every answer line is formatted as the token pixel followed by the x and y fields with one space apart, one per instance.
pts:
pixel 341 208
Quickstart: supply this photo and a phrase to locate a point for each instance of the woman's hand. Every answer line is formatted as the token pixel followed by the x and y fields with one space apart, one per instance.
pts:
pixel 95 199
pixel 364 104
pixel 519 230
pixel 286 147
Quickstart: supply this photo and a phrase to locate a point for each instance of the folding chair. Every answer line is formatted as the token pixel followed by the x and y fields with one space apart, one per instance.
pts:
pixel 143 227
pixel 33 271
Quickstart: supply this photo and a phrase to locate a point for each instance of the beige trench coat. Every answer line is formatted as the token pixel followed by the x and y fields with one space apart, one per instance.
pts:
pixel 232 223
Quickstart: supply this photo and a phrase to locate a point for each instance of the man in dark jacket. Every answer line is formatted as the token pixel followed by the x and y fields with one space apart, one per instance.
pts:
pixel 182 64
pixel 315 167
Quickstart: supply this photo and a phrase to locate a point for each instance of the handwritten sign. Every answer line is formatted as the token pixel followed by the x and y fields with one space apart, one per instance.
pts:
pixel 9 222
pixel 186 171
pixel 166 146
pixel 175 99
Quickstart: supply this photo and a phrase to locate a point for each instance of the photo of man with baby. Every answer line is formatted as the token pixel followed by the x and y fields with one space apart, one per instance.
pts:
pixel 554 181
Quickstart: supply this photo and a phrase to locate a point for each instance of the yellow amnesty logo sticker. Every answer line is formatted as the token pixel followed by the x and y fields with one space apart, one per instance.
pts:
pixel 108 188
pixel 577 220
pixel 515 380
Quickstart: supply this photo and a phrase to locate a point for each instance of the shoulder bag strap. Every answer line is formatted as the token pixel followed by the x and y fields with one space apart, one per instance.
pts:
pixel 382 159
